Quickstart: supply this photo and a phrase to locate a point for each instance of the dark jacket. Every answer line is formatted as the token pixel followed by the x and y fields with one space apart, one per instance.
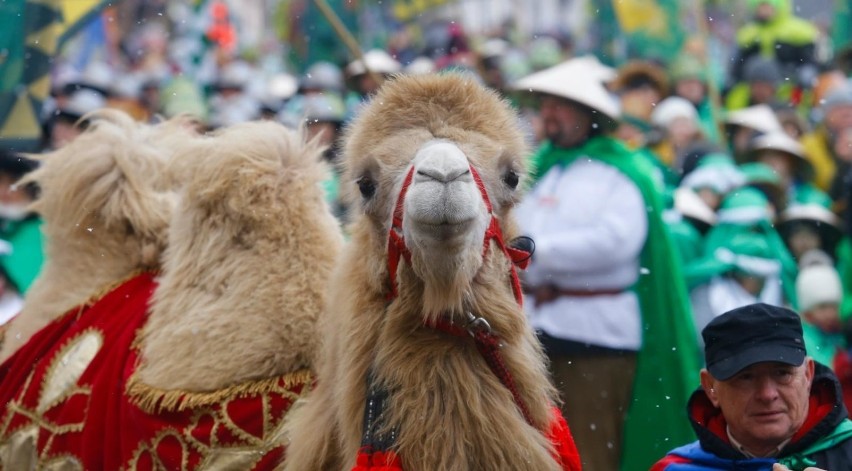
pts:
pixel 713 451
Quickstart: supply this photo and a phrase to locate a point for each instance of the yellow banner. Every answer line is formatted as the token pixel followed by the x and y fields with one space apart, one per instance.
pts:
pixel 405 10
pixel 645 15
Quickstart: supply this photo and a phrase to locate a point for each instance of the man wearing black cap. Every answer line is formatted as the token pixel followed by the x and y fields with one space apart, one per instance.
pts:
pixel 762 401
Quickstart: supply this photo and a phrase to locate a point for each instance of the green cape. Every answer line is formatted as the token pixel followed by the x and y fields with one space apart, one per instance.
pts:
pixel 23 264
pixel 668 362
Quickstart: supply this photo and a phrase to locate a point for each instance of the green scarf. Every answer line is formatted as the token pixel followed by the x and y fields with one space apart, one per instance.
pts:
pixel 668 362
pixel 800 461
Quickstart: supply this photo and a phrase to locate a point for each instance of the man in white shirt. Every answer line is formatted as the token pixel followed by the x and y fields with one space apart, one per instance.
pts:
pixel 590 213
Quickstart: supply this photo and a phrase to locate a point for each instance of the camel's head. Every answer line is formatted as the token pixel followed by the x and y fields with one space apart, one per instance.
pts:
pixel 434 159
pixel 107 186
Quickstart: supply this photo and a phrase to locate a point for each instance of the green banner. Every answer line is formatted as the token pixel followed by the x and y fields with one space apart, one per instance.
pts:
pixel 32 33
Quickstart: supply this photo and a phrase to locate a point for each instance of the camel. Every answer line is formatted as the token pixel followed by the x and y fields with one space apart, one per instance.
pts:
pixel 424 308
pixel 195 366
pixel 105 209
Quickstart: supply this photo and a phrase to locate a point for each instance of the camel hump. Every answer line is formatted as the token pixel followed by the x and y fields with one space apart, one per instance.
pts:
pixel 251 245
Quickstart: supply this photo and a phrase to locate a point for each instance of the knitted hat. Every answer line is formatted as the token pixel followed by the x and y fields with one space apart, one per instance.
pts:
pixel 818 284
pixel 839 96
pixel 762 69
pixel 672 108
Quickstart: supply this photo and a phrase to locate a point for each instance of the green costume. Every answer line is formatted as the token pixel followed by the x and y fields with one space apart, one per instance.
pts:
pixel 746 210
pixel 23 263
pixel 668 362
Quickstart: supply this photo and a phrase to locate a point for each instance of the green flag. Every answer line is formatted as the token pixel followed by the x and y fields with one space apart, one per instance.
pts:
pixel 32 33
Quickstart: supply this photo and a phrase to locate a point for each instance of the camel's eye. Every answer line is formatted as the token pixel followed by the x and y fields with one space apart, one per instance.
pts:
pixel 511 179
pixel 367 186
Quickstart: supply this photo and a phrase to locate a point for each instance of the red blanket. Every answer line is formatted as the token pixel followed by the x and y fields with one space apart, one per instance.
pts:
pixel 66 400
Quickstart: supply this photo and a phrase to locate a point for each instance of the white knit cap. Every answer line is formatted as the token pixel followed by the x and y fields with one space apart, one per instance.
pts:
pixel 672 108
pixel 818 284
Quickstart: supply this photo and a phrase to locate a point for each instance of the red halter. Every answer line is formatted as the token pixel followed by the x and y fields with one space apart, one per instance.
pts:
pixel 397 249
pixel 486 341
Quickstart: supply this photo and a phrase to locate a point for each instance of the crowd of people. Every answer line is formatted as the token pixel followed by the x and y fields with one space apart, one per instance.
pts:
pixel 677 221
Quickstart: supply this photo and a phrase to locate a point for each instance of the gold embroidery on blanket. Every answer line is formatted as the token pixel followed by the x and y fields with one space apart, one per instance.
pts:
pixel 67 366
pixel 62 463
pixel 19 450
pixel 216 455
pixel 151 451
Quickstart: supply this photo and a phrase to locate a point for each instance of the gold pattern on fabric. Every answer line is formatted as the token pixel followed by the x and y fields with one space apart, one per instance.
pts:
pixel 62 463
pixel 19 450
pixel 150 450
pixel 67 367
pixel 250 448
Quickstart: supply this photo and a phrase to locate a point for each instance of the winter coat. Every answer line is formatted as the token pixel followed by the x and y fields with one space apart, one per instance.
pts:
pixel 827 417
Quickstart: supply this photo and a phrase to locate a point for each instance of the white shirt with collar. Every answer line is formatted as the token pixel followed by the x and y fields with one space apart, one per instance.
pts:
pixel 775 452
pixel 589 224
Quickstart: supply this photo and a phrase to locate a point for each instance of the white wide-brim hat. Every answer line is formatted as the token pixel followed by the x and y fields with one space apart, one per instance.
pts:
pixel 759 117
pixel 691 205
pixel 578 80
pixel 779 141
pixel 782 142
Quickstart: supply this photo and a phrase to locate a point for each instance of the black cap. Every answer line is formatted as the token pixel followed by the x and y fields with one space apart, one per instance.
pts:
pixel 752 334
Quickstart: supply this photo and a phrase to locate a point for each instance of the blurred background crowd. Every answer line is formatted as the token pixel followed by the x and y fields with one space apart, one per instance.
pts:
pixel 743 107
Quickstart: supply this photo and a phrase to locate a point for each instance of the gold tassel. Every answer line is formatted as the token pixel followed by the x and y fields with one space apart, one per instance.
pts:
pixel 153 400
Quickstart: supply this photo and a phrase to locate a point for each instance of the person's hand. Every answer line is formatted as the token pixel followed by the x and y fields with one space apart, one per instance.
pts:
pixel 781 467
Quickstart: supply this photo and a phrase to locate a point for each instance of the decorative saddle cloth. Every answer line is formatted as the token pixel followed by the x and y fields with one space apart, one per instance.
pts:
pixel 68 401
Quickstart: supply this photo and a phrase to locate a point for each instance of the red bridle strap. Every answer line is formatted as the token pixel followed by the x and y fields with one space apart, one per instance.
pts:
pixel 486 341
pixel 397 249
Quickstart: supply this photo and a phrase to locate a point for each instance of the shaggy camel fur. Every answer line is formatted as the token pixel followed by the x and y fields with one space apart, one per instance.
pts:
pixel 105 208
pixel 250 249
pixel 450 412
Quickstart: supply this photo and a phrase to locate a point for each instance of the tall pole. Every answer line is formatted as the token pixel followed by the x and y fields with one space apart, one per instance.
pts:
pixel 713 93
pixel 347 37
